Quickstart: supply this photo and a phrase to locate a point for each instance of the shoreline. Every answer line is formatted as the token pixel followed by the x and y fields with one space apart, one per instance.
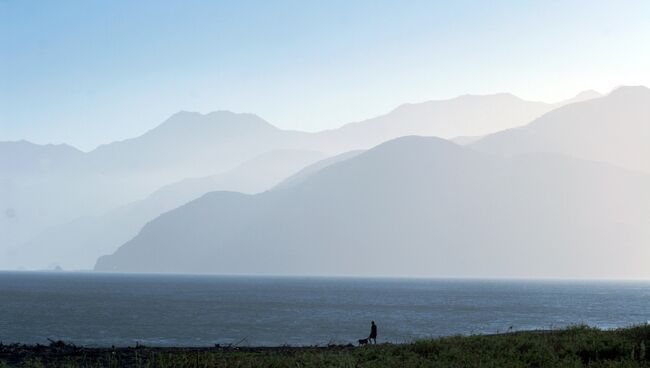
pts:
pixel 572 346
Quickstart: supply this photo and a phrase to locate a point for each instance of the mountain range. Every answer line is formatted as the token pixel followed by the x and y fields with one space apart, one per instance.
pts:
pixel 614 129
pixel 77 244
pixel 46 187
pixel 425 206
pixel 413 206
pixel 456 118
pixel 71 202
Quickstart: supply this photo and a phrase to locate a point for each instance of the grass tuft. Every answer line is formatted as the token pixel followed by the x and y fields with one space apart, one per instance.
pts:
pixel 576 346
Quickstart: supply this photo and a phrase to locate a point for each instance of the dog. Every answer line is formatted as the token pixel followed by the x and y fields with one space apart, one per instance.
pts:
pixel 363 342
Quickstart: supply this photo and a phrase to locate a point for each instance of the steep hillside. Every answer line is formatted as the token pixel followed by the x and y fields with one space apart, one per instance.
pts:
pixel 413 206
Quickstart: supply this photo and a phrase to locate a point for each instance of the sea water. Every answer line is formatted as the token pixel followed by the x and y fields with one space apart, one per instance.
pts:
pixel 96 309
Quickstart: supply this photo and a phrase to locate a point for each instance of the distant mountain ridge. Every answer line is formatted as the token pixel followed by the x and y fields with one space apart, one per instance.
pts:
pixel 614 129
pixel 186 126
pixel 78 244
pixel 413 206
pixel 18 157
pixel 58 184
pixel 467 115
pixel 43 187
pixel 54 185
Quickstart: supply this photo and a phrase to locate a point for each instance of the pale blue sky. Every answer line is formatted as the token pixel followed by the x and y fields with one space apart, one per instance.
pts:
pixel 90 72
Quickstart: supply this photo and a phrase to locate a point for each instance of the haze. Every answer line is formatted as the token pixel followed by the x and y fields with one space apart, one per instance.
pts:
pixel 87 74
pixel 326 138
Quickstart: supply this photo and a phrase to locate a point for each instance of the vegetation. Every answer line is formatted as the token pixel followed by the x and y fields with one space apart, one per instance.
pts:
pixel 579 346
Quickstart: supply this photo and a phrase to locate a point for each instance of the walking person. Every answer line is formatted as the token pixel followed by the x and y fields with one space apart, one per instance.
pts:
pixel 373 333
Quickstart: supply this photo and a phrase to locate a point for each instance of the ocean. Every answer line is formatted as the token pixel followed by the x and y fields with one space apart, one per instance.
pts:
pixel 95 309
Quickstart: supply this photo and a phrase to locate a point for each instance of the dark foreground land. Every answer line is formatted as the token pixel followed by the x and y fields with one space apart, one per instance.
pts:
pixel 572 347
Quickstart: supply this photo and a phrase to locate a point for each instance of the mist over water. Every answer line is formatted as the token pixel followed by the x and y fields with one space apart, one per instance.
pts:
pixel 112 309
pixel 490 160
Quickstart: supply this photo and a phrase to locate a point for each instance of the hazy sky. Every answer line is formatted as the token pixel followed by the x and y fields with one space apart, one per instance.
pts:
pixel 90 72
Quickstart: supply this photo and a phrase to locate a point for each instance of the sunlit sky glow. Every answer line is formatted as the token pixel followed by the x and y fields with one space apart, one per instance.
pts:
pixel 90 72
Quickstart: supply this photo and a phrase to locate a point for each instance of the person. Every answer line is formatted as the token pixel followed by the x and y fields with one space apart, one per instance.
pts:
pixel 373 333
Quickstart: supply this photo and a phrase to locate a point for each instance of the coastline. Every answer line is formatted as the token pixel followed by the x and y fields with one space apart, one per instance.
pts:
pixel 573 346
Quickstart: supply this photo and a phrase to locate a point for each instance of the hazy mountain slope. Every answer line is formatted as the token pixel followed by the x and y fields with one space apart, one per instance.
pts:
pixel 23 189
pixel 22 165
pixel 310 170
pixel 189 145
pixel 25 157
pixel 78 244
pixel 46 186
pixel 413 206
pixel 189 141
pixel 465 140
pixel 468 115
pixel 614 129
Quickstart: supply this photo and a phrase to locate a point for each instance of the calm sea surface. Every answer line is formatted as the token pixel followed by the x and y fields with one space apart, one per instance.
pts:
pixel 104 309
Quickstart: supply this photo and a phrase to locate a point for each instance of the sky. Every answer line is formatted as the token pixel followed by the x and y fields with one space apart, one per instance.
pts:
pixel 91 72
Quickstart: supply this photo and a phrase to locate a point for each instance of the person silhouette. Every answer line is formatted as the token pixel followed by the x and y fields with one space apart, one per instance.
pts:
pixel 373 333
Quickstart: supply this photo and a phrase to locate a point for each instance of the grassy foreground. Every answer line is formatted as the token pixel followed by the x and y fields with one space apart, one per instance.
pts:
pixel 572 347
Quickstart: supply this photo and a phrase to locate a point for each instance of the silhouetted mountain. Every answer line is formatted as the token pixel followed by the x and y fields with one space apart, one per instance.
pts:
pixel 583 96
pixel 189 142
pixel 614 129
pixel 413 206
pixel 465 140
pixel 78 244
pixel 23 157
pixel 468 115
pixel 308 171
pixel 47 186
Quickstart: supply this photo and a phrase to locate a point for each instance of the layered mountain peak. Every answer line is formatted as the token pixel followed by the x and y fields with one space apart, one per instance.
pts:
pixel 187 122
pixel 626 92
pixel 23 156
pixel 583 96
pixel 411 206
pixel 414 145
pixel 29 146
pixel 613 129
